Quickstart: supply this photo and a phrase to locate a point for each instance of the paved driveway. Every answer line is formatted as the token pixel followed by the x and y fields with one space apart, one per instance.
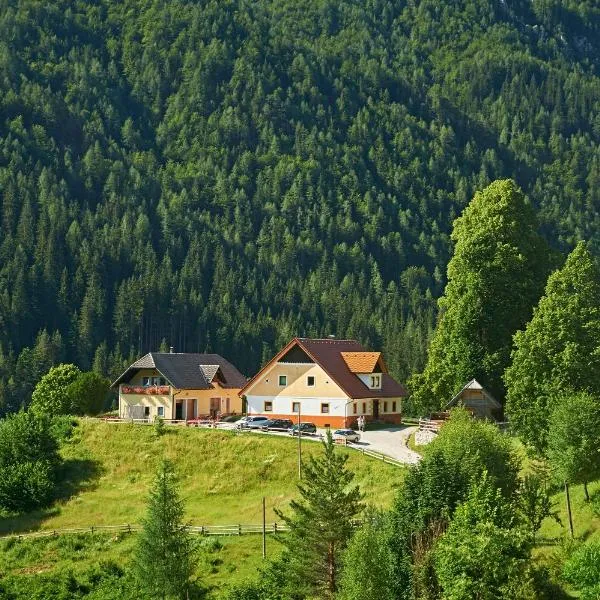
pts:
pixel 390 441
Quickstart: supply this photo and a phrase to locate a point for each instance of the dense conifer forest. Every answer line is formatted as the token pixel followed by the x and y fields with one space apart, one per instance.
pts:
pixel 225 174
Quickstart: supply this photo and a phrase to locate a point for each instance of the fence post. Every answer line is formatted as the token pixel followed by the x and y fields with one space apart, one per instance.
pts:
pixel 239 529
pixel 202 530
pixel 275 527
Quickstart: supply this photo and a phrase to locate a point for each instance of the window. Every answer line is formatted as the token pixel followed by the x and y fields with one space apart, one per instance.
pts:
pixel 325 407
pixel 295 407
pixel 364 408
pixel 375 381
pixel 268 406
pixel 354 408
pixel 145 381
pixel 146 411
pixel 283 380
pixel 385 407
pixel 160 411
pixel 310 381
pixel 394 406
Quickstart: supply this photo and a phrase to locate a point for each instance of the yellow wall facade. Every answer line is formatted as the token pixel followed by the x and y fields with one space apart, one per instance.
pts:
pixel 297 374
pixel 229 400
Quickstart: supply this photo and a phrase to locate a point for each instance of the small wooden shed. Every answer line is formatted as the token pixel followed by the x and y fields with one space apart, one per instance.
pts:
pixel 478 401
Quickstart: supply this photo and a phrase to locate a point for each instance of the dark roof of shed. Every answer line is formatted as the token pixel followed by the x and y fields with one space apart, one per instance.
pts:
pixel 186 370
pixel 328 354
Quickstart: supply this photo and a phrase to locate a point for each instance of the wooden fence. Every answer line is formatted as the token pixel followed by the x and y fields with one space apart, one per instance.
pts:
pixel 378 455
pixel 239 529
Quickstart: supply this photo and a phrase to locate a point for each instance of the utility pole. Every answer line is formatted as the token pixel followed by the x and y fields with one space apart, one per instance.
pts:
pixel 264 531
pixel 299 445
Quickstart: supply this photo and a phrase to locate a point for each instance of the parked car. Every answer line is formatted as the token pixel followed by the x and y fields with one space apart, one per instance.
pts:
pixel 277 425
pixel 346 434
pixel 251 422
pixel 304 428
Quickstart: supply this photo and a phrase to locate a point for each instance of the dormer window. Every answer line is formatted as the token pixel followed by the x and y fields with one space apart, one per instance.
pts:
pixel 375 382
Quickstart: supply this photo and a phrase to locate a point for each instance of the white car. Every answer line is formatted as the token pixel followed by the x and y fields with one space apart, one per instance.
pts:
pixel 346 434
pixel 251 422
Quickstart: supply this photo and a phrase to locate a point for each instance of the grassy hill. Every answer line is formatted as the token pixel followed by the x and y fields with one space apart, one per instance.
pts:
pixel 224 475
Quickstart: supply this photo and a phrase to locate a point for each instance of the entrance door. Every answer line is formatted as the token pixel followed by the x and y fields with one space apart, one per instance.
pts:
pixel 179 411
pixel 215 406
pixel 375 409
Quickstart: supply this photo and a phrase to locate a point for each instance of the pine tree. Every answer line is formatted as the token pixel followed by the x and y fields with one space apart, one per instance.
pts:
pixel 320 524
pixel 164 556
pixel 559 350
pixel 494 279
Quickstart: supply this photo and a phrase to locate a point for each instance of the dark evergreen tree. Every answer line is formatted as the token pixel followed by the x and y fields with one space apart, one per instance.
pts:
pixel 320 525
pixel 163 561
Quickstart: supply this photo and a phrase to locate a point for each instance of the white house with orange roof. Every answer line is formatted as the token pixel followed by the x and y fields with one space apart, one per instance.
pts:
pixel 329 382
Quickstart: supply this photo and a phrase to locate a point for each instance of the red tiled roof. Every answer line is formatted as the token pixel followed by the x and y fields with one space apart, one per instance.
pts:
pixel 328 353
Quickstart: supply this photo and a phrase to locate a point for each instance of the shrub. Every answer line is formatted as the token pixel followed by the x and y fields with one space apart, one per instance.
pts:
pixel 582 569
pixel 27 485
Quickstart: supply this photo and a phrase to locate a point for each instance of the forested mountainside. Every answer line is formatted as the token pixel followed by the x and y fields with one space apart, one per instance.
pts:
pixel 225 174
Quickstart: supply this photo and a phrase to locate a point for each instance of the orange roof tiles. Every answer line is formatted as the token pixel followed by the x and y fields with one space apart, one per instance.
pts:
pixel 361 362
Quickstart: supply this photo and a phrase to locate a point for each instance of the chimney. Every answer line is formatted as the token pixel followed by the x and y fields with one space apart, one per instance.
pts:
pixel 170 349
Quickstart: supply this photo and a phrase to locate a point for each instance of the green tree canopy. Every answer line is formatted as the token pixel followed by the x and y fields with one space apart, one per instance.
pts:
pixel 495 277
pixel 464 451
pixel 574 438
pixel 559 350
pixel 51 394
pixel 483 554
pixel 368 561
pixel 87 394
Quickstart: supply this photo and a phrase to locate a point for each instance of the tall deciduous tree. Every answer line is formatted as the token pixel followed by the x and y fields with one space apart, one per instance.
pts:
pixel 494 279
pixel 559 350
pixel 574 439
pixel 164 558
pixel 320 524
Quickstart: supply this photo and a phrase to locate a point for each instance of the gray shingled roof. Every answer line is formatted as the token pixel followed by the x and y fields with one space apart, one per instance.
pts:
pixel 185 370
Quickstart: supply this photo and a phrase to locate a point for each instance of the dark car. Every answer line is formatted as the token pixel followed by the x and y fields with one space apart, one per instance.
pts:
pixel 277 425
pixel 304 428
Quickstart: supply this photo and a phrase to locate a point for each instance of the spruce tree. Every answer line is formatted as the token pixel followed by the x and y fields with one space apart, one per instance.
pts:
pixel 494 279
pixel 320 525
pixel 559 350
pixel 164 556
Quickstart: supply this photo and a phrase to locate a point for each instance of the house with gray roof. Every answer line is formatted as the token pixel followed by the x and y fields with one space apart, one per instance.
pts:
pixel 179 386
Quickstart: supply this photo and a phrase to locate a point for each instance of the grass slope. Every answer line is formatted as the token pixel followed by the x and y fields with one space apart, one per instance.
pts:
pixel 223 475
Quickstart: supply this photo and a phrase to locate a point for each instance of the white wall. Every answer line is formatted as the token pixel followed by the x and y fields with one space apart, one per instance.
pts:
pixel 282 405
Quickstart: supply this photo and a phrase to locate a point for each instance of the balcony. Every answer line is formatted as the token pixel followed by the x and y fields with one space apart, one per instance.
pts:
pixel 147 390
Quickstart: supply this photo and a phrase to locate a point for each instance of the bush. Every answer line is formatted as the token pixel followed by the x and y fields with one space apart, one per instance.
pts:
pixel 582 569
pixel 28 462
pixel 159 426
pixel 26 486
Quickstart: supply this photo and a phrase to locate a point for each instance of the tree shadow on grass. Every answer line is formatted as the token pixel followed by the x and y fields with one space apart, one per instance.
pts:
pixel 74 476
